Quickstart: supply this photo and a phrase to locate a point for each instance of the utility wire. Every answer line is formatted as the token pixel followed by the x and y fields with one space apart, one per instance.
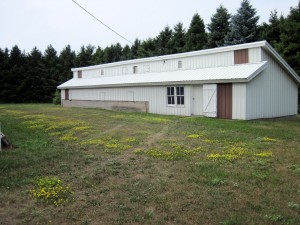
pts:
pixel 109 27
pixel 102 22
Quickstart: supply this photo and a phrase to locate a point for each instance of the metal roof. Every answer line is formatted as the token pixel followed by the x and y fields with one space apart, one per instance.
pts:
pixel 234 73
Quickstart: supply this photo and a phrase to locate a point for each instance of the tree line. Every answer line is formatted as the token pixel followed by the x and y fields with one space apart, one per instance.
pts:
pixel 34 76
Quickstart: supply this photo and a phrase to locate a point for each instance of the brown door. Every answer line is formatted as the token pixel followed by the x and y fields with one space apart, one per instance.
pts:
pixel 224 102
pixel 67 94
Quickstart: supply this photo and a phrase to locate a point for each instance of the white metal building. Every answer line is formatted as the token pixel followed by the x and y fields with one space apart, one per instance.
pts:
pixel 246 81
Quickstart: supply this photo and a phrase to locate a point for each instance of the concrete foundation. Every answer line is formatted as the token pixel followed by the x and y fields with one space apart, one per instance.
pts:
pixel 110 105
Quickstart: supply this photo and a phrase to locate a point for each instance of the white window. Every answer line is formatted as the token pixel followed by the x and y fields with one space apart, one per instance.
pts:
pixel 171 95
pixel 179 64
pixel 102 72
pixel 175 96
pixel 180 95
pixel 135 69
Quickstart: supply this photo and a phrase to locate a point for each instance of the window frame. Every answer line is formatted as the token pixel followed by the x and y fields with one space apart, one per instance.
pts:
pixel 179 64
pixel 79 74
pixel 135 69
pixel 175 96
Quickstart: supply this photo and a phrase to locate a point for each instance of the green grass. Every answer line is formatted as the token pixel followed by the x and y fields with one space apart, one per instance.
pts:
pixel 136 168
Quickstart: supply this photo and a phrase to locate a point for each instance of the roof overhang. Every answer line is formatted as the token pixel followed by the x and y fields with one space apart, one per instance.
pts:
pixel 225 74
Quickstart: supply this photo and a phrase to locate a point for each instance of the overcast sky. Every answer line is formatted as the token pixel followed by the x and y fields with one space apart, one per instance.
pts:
pixel 29 23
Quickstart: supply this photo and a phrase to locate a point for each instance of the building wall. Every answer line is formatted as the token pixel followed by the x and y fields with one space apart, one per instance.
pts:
pixel 156 96
pixel 194 62
pixel 272 93
pixel 239 101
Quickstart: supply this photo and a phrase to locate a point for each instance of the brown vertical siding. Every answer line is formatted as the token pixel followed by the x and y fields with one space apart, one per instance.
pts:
pixel 224 101
pixel 241 56
pixel 79 74
pixel 67 94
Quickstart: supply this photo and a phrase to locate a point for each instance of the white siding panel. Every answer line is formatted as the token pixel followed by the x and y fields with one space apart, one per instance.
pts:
pixel 255 55
pixel 239 101
pixel 193 62
pixel 156 96
pixel 272 93
pixel 62 94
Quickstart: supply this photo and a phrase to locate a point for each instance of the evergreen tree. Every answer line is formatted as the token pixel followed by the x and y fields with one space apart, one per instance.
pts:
pixel 289 47
pixel 35 83
pixel 98 56
pixel 51 74
pixel 147 48
pixel 196 37
pixel 16 75
pixel 243 28
pixel 164 42
pixel 4 75
pixel 85 56
pixel 117 52
pixel 67 59
pixel 218 27
pixel 135 49
pixel 271 32
pixel 178 39
pixel 126 53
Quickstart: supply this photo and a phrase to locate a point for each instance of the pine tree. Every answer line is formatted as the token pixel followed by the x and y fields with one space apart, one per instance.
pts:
pixel 196 37
pixel 147 48
pixel 35 83
pixel 16 75
pixel 243 27
pixel 126 53
pixel 178 39
pixel 218 27
pixel 164 41
pixel 67 59
pixel 85 56
pixel 289 47
pixel 135 48
pixel 98 56
pixel 271 32
pixel 4 74
pixel 51 74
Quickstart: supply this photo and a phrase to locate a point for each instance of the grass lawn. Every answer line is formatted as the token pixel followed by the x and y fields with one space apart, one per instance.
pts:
pixel 92 166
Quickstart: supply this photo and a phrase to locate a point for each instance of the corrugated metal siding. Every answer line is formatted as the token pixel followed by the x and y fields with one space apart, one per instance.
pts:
pixel 255 55
pixel 156 96
pixel 272 93
pixel 193 62
pixel 62 94
pixel 239 101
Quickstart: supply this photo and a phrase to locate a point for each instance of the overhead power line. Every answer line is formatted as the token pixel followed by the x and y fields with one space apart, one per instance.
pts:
pixel 164 60
pixel 102 22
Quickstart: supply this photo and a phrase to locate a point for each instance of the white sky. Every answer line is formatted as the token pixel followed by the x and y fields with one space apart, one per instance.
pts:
pixel 30 23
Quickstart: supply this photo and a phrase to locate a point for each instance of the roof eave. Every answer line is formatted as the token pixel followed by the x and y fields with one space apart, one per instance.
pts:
pixel 214 81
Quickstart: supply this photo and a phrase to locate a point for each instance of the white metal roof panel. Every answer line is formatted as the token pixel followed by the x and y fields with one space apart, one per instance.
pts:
pixel 235 73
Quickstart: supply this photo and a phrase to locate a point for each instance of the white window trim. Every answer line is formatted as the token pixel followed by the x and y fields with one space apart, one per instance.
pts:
pixel 175 97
